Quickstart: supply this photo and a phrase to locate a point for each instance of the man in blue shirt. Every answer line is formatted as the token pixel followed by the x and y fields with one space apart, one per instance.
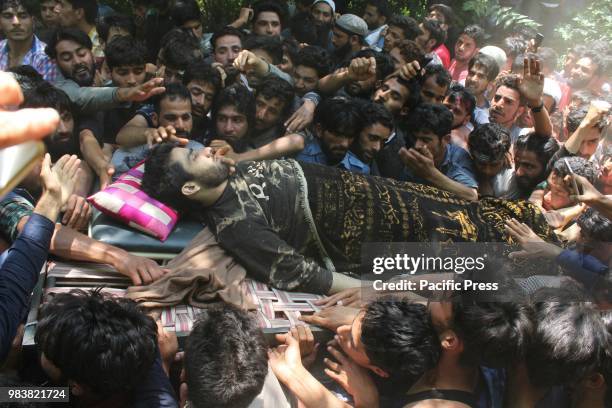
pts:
pixel 434 160
pixel 336 123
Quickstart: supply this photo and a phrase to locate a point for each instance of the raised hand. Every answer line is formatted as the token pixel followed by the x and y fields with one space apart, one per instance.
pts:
pixel 362 69
pixel 531 85
pixel 59 181
pixel 141 92
pixel 532 245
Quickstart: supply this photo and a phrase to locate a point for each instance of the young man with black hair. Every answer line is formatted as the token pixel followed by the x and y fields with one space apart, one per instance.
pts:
pixel 400 28
pixel 273 104
pixel 336 124
pixel 115 25
pixel 489 145
pixel 312 64
pixel 169 120
pixel 588 72
pixel 430 39
pixel 569 342
pixel 434 160
pixel 532 153
pixel 434 80
pixel 204 84
pixel 233 117
pixel 376 15
pixel 399 97
pixel 21 46
pixel 49 19
pixel 405 52
pixel 82 15
pixel 187 15
pixel 226 45
pixel 461 103
pixel 387 338
pixel 434 84
pixel 482 71
pixel 268 19
pixel 175 56
pixel 513 93
pixel 226 362
pixel 467 46
pixel 73 328
pixel 377 128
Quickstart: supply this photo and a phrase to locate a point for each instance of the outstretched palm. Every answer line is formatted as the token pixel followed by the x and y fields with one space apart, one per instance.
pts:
pixel 59 180
pixel 532 83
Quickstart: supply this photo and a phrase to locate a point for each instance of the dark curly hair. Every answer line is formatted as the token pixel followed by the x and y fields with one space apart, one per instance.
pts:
pixel 98 341
pixel 431 117
pixel 316 58
pixel 275 87
pixel 408 25
pixel 580 166
pixel 476 33
pixel 125 51
pixel 271 45
pixel 489 142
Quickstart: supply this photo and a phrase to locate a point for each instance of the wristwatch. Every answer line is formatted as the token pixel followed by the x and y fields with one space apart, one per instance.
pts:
pixel 537 109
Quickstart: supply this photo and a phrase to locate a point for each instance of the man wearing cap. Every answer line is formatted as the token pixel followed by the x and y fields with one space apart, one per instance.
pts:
pixel 348 37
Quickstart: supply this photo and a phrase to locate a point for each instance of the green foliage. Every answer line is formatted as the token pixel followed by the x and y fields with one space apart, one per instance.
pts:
pixel 593 23
pixel 500 19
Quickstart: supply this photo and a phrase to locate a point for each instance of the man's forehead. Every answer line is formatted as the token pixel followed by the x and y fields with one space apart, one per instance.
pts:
pixel 175 106
pixel 323 7
pixel 199 83
pixel 229 41
pixel 69 45
pixel 274 100
pixel 507 92
pixel 268 16
pixel 305 71
pixel 230 110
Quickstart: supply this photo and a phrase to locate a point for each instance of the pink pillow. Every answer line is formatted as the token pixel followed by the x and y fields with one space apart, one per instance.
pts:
pixel 125 201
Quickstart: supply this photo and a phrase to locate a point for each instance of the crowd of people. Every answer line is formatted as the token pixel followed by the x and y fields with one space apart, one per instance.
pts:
pixel 297 133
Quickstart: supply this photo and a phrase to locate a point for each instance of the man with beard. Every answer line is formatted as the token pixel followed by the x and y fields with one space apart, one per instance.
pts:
pixel 482 71
pixel 531 156
pixel 461 103
pixel 400 28
pixel 359 79
pixel 336 123
pixel 376 15
pixel 204 84
pixel 82 15
pixel 293 225
pixel 513 93
pixel 312 64
pixel 233 116
pixel 171 121
pixel 324 14
pixel 273 102
pixel 348 38
pixel 468 44
pixel 21 46
pixel 377 128
pixel 399 97
pixel 587 73
pixel 71 49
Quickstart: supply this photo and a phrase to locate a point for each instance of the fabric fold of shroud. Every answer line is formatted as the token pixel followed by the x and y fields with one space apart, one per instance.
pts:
pixel 202 274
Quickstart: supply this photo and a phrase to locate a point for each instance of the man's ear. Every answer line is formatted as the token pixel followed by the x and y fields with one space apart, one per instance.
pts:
pixel 519 112
pixel 446 139
pixel 155 119
pixel 190 188
pixel 433 42
pixel 380 372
